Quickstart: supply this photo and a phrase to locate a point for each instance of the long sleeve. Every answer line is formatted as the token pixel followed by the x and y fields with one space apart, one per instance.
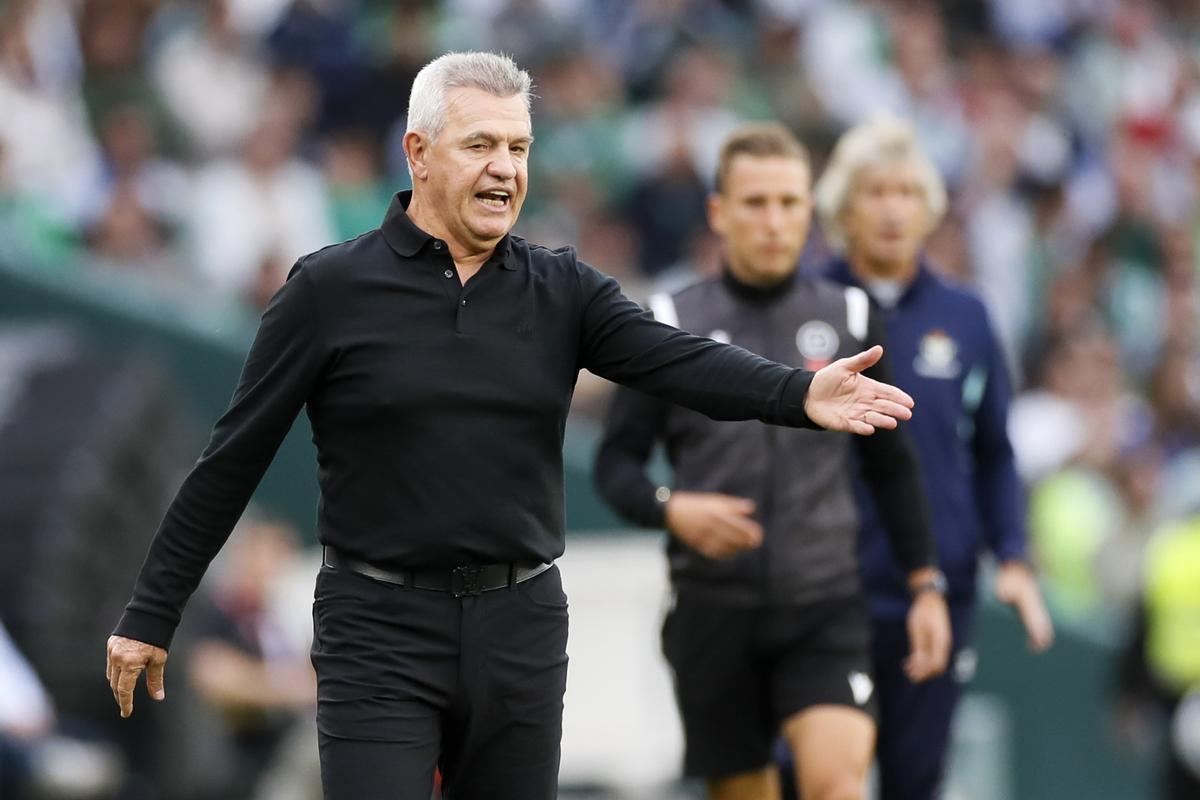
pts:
pixel 890 470
pixel 635 422
pixel 627 345
pixel 280 372
pixel 997 486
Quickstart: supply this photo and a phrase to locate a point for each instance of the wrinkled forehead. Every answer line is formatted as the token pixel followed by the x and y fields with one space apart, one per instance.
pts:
pixel 470 110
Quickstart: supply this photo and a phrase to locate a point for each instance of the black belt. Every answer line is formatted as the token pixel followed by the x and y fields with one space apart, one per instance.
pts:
pixel 462 581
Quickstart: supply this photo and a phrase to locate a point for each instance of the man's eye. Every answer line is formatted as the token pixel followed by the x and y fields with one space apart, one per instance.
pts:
pixel 479 146
pixel 518 149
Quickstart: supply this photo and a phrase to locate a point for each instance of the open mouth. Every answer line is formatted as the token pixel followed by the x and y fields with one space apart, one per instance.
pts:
pixel 498 198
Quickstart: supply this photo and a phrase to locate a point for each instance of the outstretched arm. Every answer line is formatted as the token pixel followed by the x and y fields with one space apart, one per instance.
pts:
pixel 621 342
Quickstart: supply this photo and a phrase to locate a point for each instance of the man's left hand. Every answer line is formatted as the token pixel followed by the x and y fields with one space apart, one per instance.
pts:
pixel 841 399
pixel 1016 585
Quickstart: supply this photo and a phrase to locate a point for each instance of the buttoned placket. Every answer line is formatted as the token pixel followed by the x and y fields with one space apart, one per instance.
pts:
pixel 459 292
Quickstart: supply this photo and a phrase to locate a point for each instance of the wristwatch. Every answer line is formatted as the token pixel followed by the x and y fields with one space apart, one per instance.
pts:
pixel 661 495
pixel 934 583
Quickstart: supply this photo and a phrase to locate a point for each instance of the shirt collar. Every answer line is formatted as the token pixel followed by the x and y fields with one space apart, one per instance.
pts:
pixel 756 294
pixel 841 272
pixel 402 234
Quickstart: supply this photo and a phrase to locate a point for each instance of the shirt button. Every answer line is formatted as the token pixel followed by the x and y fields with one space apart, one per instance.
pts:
pixel 463 303
pixel 437 245
pixel 449 273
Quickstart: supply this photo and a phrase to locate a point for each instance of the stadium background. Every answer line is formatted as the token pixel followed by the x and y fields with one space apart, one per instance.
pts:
pixel 163 162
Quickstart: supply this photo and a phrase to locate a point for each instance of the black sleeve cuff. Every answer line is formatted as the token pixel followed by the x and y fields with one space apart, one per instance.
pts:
pixel 791 403
pixel 144 627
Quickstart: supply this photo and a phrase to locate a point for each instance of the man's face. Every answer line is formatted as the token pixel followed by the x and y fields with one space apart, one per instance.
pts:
pixel 475 173
pixel 886 219
pixel 762 215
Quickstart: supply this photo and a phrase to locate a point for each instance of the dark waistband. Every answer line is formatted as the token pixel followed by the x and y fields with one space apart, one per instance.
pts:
pixel 469 579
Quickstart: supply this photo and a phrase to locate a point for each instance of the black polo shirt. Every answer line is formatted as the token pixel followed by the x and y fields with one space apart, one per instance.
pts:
pixel 437 409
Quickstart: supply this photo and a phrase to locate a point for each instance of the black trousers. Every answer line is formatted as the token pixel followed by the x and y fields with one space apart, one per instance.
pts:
pixel 915 718
pixel 410 679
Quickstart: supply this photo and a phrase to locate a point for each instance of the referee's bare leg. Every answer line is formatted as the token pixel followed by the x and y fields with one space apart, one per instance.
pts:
pixel 831 748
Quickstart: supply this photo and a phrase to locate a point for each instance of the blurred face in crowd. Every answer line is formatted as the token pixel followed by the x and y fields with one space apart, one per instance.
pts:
pixel 886 219
pixel 762 215
pixel 472 178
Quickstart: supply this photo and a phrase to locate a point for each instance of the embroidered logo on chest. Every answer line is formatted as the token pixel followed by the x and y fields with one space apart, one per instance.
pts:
pixel 817 342
pixel 937 356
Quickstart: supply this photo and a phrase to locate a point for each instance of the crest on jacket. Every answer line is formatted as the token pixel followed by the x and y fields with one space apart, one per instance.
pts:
pixel 818 343
pixel 937 356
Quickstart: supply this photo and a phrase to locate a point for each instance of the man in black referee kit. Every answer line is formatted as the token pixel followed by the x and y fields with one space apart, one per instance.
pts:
pixel 436 357
pixel 769 630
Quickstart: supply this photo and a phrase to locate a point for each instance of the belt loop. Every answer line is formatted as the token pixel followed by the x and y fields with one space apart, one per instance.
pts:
pixel 512 575
pixel 408 580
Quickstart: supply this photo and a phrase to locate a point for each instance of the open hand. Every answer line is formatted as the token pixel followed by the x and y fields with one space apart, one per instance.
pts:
pixel 841 399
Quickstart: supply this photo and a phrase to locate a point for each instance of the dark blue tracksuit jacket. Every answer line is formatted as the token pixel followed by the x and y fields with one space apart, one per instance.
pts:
pixel 944 353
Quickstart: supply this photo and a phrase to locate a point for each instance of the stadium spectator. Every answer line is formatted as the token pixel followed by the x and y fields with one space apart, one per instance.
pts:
pixel 255 215
pixel 242 661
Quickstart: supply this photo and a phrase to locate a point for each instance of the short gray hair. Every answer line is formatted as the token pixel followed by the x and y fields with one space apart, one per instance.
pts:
pixel 493 73
pixel 883 140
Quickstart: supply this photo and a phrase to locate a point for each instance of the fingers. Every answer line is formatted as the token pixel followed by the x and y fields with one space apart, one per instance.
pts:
pixel 127 659
pixel 154 680
pixel 891 394
pixel 864 360
pixel 929 633
pixel 126 680
pixel 744 529
pixel 1038 626
pixel 877 421
pixel 739 505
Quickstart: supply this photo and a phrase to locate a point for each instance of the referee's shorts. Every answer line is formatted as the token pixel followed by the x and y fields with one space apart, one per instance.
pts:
pixel 741 671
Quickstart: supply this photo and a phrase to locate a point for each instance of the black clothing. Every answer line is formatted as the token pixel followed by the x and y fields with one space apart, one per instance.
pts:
pixel 437 409
pixel 409 679
pixel 740 672
pixel 915 718
pixel 800 481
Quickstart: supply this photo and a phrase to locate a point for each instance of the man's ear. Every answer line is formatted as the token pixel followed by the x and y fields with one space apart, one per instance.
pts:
pixel 716 214
pixel 416 147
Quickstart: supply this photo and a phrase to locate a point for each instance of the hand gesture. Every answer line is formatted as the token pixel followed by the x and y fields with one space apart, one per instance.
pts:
pixel 127 659
pixel 842 399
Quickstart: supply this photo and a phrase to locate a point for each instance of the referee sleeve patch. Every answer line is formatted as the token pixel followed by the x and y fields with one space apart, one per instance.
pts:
pixel 857 309
pixel 662 305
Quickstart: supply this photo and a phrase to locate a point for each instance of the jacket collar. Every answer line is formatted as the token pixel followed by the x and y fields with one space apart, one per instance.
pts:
pixel 403 236
pixel 756 294
pixel 839 270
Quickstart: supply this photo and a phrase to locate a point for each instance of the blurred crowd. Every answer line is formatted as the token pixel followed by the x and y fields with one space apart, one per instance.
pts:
pixel 199 147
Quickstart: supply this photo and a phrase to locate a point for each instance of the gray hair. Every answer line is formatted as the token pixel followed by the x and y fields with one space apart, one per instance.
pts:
pixel 493 73
pixel 884 140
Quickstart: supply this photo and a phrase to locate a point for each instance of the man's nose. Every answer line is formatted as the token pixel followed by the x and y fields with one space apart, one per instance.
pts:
pixel 502 166
pixel 773 216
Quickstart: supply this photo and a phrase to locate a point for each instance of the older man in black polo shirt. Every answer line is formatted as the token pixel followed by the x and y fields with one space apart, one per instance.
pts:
pixel 436 357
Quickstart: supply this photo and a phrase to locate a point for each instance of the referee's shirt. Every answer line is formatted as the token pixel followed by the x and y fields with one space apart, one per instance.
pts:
pixel 437 409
